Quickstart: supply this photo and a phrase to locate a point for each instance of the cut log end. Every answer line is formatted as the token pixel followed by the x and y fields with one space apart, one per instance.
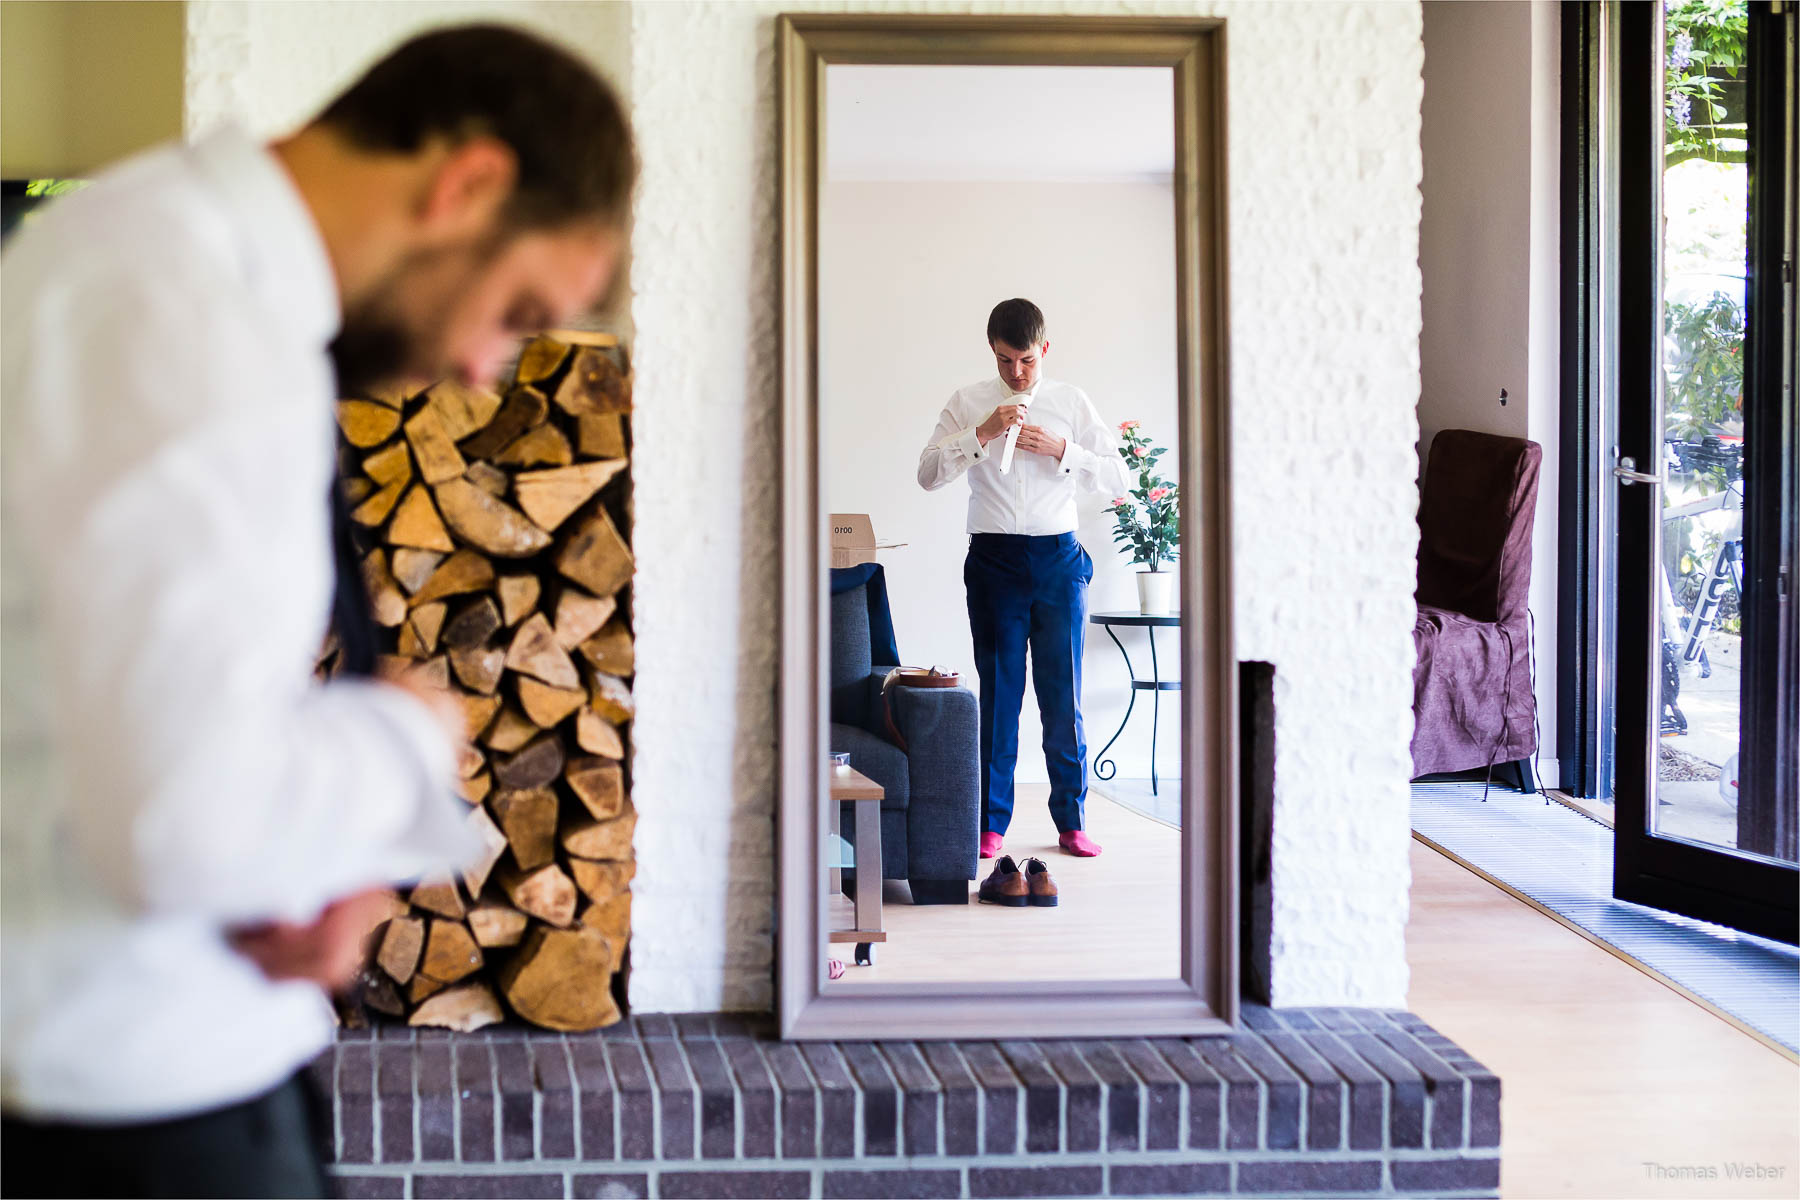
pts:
pixel 495 924
pixel 416 524
pixel 439 895
pixel 602 841
pixel 546 893
pixel 487 521
pixel 536 765
pixel 547 706
pixel 599 785
pixel 433 448
pixel 401 946
pixel 535 652
pixel 596 556
pixel 550 979
pixel 465 571
pixel 464 1009
pixel 529 819
pixel 450 952
pixel 366 423
pixel 595 734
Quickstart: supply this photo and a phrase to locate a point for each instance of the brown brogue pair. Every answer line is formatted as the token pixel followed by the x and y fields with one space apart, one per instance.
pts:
pixel 1008 885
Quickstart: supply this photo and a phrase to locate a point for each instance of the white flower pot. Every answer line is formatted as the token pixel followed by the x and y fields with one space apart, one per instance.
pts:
pixel 1154 591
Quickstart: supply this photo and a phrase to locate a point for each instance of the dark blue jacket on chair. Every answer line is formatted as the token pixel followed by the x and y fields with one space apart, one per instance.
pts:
pixel 931 813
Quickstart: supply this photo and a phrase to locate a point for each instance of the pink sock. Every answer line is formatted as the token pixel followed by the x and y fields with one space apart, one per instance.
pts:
pixel 990 845
pixel 1078 843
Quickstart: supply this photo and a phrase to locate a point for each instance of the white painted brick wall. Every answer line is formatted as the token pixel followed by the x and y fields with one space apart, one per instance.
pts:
pixel 1325 170
pixel 271 64
pixel 1324 210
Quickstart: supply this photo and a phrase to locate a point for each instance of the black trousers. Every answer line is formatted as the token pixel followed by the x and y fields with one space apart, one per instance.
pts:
pixel 268 1146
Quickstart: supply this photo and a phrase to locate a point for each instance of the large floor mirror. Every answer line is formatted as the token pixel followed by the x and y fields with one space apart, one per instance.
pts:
pixel 1008 786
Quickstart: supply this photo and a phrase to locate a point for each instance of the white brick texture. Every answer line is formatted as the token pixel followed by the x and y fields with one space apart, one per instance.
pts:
pixel 1324 218
pixel 1324 212
pixel 271 64
pixel 1325 286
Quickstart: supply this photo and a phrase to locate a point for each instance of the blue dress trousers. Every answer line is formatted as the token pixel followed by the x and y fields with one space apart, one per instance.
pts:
pixel 1029 593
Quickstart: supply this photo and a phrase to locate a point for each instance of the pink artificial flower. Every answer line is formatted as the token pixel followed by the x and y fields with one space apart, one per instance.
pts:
pixel 1127 426
pixel 1158 494
pixel 1119 503
pixel 1138 452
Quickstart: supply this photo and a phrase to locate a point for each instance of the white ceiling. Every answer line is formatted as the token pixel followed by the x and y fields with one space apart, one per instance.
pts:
pixel 999 123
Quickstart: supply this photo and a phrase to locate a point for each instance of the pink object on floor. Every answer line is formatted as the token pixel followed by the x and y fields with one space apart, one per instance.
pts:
pixel 1078 843
pixel 834 968
pixel 990 845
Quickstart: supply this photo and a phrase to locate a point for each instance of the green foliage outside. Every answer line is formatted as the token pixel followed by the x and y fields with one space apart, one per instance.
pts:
pixel 1703 364
pixel 54 187
pixel 1703 115
pixel 1703 106
pixel 1704 122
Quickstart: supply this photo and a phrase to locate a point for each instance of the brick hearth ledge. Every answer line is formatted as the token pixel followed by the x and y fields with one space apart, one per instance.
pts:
pixel 1325 1101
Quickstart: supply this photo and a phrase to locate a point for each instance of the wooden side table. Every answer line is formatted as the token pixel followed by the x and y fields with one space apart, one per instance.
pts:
pixel 858 922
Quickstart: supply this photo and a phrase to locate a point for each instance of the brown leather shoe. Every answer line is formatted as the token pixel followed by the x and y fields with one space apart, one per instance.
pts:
pixel 1041 888
pixel 1004 885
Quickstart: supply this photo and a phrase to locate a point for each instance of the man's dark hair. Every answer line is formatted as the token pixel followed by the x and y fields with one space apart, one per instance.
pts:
pixel 562 121
pixel 1018 323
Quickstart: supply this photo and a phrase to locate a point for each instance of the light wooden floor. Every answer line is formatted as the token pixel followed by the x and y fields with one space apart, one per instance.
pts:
pixel 1120 915
pixel 1602 1068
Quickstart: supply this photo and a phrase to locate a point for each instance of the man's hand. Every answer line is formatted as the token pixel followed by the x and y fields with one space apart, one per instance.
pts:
pixel 327 952
pixel 1038 440
pixel 999 421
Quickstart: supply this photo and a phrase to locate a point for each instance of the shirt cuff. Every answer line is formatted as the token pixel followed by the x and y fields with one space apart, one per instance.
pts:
pixel 436 837
pixel 968 442
pixel 1071 459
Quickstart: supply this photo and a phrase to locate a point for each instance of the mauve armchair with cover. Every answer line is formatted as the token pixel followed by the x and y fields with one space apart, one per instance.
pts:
pixel 1473 705
pixel 931 813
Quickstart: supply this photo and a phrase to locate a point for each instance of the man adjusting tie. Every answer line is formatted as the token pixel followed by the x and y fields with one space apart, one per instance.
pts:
pixel 1026 573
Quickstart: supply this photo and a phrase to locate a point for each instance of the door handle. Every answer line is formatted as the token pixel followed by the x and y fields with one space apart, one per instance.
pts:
pixel 1627 474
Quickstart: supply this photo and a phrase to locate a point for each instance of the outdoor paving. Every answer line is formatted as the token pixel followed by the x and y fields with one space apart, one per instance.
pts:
pixel 1694 809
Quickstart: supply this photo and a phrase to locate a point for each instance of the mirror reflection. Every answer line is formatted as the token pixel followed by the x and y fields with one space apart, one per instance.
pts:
pixel 998 395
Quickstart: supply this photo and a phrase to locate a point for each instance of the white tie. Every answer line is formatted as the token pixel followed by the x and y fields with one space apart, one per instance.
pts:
pixel 1012 435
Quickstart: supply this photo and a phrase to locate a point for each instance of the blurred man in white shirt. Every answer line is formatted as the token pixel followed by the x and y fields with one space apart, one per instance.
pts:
pixel 190 817
pixel 1029 445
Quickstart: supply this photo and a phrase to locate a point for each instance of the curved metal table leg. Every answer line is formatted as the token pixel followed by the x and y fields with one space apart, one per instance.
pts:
pixel 1104 767
pixel 1155 703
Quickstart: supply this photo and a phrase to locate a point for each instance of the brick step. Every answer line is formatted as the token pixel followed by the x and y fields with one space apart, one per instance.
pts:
pixel 1326 1101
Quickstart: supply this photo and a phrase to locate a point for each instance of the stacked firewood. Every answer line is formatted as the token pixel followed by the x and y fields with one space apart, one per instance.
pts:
pixel 495 559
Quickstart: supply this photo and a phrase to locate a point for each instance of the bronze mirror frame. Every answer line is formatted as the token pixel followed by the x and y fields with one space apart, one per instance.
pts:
pixel 1205 998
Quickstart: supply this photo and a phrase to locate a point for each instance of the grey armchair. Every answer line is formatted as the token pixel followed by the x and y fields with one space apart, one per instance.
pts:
pixel 931 813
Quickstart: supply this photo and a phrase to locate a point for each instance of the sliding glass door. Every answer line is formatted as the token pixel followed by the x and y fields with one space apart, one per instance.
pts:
pixel 1704 463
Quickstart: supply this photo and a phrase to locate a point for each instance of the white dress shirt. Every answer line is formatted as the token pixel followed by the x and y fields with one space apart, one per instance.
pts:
pixel 171 767
pixel 1038 495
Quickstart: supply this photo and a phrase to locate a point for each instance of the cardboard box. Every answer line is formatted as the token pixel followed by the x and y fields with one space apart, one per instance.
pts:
pixel 853 540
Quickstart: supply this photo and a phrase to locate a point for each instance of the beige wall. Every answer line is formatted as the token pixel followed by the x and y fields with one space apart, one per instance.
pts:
pixel 1489 260
pixel 908 274
pixel 82 84
pixel 1475 227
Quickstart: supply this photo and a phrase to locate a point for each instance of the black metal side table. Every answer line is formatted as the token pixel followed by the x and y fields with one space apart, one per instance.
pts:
pixel 1104 767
